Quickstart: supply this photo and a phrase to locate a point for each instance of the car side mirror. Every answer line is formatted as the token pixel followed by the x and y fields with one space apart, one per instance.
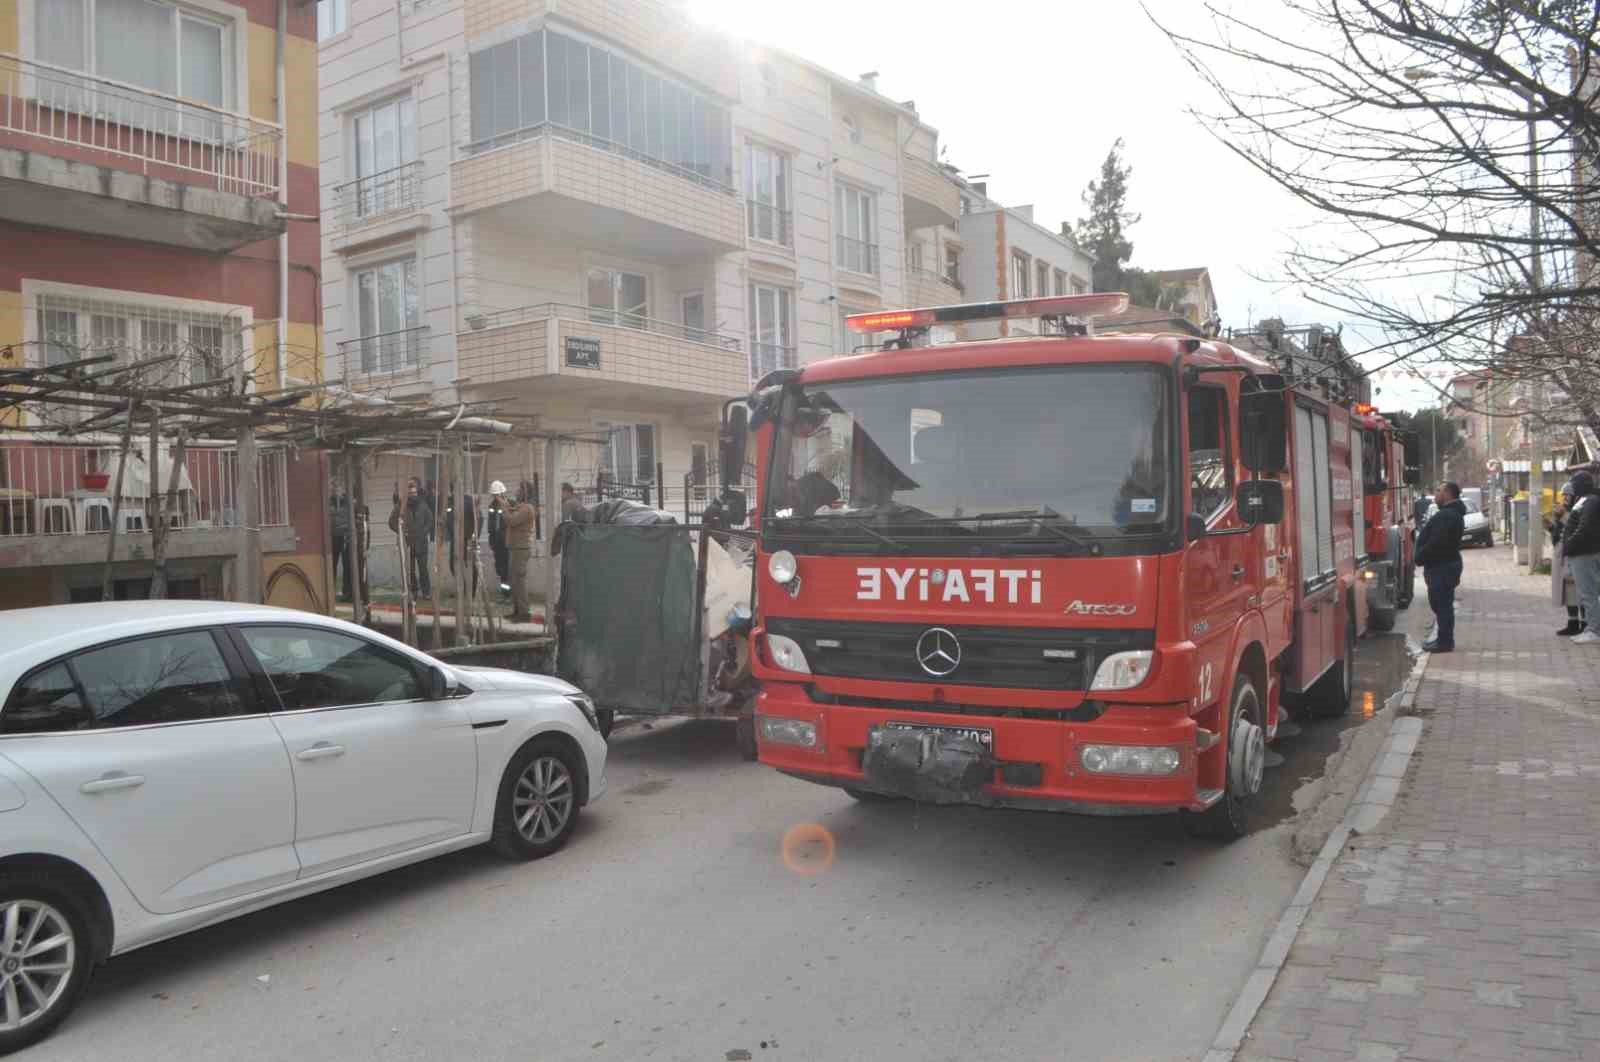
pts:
pixel 1413 475
pixel 1195 527
pixel 1261 501
pixel 440 683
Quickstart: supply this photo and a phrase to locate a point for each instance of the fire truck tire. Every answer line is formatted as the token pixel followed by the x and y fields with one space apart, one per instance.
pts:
pixel 1246 751
pixel 1330 697
pixel 744 735
pixel 1382 619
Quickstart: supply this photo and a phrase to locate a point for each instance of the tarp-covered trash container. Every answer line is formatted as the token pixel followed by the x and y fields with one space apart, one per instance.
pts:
pixel 627 616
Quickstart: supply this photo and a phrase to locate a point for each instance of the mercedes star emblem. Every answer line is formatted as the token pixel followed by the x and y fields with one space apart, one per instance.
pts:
pixel 938 652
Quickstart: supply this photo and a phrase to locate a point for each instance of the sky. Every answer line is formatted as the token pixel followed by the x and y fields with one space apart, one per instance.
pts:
pixel 1034 93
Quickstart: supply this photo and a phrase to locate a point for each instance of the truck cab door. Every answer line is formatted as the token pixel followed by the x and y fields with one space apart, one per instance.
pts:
pixel 1218 576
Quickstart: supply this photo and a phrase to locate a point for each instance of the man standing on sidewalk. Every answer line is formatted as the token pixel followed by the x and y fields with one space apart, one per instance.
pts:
pixel 519 536
pixel 1580 544
pixel 1439 556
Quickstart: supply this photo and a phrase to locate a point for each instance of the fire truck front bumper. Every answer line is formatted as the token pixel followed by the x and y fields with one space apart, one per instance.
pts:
pixel 1130 760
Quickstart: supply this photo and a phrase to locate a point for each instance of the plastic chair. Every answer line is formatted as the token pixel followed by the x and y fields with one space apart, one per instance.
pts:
pixel 53 516
pixel 94 514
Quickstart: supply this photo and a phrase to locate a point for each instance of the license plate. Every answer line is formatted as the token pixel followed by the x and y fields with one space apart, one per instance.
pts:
pixel 982 735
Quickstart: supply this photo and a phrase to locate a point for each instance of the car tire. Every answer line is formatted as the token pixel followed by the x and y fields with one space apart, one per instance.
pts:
pixel 35 895
pixel 1229 818
pixel 537 808
pixel 1382 619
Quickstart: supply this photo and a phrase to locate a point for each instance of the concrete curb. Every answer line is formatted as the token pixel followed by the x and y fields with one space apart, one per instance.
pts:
pixel 1372 802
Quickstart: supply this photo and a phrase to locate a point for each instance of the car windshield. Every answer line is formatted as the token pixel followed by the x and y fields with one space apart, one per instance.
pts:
pixel 1065 453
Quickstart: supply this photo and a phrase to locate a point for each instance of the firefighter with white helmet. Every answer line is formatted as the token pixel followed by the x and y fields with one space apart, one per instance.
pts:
pixel 497 533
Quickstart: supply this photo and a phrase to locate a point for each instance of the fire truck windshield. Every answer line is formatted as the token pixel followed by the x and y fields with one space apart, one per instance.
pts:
pixel 1065 457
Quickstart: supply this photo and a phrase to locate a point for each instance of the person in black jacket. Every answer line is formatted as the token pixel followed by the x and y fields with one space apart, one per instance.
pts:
pixel 1439 556
pixel 1580 544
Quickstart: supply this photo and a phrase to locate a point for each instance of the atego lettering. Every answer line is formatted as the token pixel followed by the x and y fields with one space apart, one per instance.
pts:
pixel 989 586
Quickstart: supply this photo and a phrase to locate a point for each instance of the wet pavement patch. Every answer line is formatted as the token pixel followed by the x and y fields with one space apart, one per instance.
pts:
pixel 648 788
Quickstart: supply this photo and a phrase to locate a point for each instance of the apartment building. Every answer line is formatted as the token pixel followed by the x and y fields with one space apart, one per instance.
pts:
pixel 601 214
pixel 1006 254
pixel 151 155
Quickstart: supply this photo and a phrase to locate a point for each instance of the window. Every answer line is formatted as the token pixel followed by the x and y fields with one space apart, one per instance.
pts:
pixel 312 668
pixel 952 263
pixel 156 46
pixel 1019 275
pixel 1061 284
pixel 694 317
pixel 629 452
pixel 44 701
pixel 171 678
pixel 769 80
pixel 547 80
pixel 389 316
pixel 852 129
pixel 1041 279
pixel 1374 474
pixel 385 140
pixel 1079 287
pixel 71 327
pixel 1210 479
pixel 333 18
pixel 618 298
pixel 857 224
pixel 767 194
pixel 699 469
pixel 914 257
pixel 771 330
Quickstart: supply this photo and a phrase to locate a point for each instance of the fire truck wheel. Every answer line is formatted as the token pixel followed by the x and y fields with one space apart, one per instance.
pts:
pixel 1330 697
pixel 1229 818
pixel 1382 619
pixel 744 735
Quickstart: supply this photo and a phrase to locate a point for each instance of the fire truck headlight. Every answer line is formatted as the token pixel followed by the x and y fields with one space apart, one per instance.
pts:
pixel 1131 759
pixel 1123 671
pixel 783 567
pixel 776 731
pixel 786 654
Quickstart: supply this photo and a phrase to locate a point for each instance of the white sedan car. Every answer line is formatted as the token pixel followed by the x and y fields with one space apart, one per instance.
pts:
pixel 165 765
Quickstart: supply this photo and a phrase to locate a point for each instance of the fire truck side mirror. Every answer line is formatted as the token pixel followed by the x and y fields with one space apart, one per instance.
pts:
pixel 1261 501
pixel 732 441
pixel 1411 445
pixel 1194 527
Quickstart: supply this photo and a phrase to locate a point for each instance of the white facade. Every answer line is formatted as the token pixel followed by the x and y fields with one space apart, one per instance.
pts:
pixel 1008 255
pixel 618 269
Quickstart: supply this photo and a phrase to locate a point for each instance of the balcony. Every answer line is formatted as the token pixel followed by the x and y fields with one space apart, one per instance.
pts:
pixel 550 179
pixel 90 155
pixel 926 288
pixel 931 197
pixel 654 29
pixel 56 504
pixel 573 348
pixel 389 360
pixel 378 207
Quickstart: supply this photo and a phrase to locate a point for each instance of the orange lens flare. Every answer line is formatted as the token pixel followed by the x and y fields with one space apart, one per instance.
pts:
pixel 808 849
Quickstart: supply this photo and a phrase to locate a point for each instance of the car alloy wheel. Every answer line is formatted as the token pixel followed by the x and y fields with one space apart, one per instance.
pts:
pixel 38 953
pixel 542 800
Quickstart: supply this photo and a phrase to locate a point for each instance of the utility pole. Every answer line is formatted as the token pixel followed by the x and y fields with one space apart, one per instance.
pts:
pixel 1536 443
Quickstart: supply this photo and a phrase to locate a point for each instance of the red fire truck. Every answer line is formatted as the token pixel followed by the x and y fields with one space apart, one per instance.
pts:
pixel 1387 479
pixel 1064 572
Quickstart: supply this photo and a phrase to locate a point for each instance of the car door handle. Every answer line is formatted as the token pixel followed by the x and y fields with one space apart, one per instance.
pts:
pixel 320 751
pixel 1238 572
pixel 112 780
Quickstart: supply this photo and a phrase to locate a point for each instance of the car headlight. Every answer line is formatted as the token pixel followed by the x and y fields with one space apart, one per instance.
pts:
pixel 1123 671
pixel 583 704
pixel 783 567
pixel 776 731
pixel 1131 759
pixel 786 654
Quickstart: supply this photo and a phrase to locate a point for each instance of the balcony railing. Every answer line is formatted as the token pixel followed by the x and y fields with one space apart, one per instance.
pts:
pixel 767 357
pixel 600 315
pixel 858 256
pixel 393 191
pixel 929 276
pixel 48 489
pixel 769 223
pixel 230 152
pixel 386 353
pixel 708 179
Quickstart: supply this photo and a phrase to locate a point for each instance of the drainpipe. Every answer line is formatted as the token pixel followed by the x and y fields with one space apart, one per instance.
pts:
pixel 283 205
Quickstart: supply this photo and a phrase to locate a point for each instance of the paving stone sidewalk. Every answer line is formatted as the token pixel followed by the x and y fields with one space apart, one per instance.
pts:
pixel 1467 926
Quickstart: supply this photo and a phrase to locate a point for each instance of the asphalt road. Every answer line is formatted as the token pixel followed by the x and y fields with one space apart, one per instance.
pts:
pixel 677 926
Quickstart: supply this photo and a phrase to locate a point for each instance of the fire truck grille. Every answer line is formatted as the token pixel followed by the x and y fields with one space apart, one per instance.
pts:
pixel 1013 657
